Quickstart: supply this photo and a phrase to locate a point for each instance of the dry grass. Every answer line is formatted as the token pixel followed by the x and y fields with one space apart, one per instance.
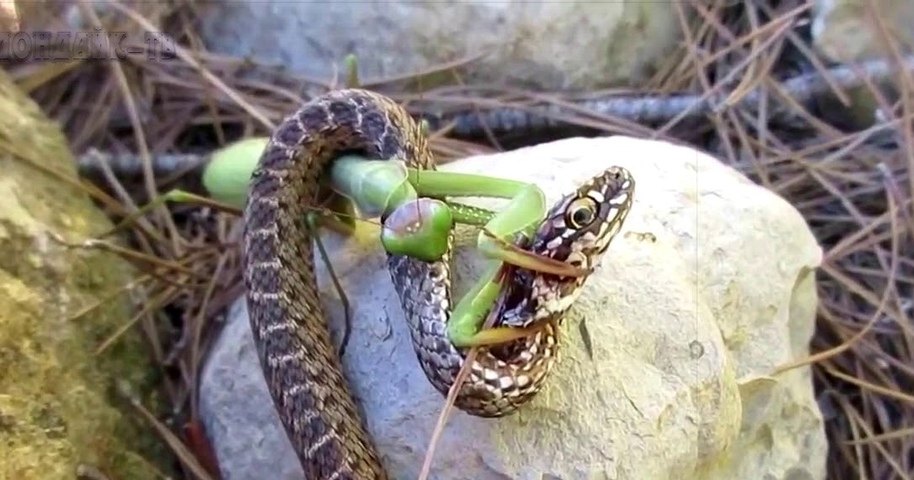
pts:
pixel 853 185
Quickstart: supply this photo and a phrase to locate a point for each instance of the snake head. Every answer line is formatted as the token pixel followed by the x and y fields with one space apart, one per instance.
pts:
pixel 579 227
pixel 577 230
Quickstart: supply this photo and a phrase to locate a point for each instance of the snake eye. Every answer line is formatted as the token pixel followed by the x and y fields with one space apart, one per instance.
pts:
pixel 581 212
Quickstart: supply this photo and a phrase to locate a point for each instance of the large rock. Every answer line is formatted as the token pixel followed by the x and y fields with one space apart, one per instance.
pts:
pixel 707 289
pixel 57 407
pixel 552 45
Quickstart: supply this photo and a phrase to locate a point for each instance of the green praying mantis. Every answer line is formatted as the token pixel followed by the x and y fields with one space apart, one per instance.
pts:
pixel 418 215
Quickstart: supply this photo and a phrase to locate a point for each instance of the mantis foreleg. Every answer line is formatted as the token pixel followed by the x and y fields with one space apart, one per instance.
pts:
pixel 523 213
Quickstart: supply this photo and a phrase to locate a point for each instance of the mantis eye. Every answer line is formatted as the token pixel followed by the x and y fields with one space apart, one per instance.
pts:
pixel 581 212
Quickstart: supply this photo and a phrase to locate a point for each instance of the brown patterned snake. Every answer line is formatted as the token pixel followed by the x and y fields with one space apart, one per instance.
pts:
pixel 301 365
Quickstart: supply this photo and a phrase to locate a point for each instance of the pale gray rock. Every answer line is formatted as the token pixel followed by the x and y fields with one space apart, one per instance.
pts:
pixel 550 45
pixel 708 288
pixel 846 30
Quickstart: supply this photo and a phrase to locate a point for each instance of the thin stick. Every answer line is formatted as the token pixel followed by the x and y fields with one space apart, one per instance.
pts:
pixel 653 108
pixel 449 403
pixel 347 315
pixel 132 112
pixel 205 73
pixel 177 446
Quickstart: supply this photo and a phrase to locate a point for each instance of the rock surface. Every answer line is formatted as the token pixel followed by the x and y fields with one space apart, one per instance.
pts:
pixel 56 408
pixel 847 31
pixel 707 289
pixel 553 45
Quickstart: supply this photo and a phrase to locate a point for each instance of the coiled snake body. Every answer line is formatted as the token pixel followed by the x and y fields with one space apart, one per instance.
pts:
pixel 299 361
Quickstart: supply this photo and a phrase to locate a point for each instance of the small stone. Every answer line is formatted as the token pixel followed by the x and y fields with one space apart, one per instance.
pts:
pixel 845 30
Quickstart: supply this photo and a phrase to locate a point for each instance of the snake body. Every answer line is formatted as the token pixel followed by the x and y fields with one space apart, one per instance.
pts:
pixel 299 361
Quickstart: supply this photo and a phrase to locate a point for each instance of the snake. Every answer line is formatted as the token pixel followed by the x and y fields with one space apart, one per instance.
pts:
pixel 301 366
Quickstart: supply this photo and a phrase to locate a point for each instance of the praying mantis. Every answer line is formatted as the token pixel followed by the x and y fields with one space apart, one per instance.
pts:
pixel 417 220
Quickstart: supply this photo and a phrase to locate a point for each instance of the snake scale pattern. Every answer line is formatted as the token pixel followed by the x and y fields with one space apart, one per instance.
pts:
pixel 299 361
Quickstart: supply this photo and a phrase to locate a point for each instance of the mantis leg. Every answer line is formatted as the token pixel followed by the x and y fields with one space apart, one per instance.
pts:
pixel 497 239
pixel 465 325
pixel 416 222
pixel 312 220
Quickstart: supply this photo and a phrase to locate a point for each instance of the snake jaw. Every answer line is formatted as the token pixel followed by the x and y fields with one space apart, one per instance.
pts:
pixel 541 297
